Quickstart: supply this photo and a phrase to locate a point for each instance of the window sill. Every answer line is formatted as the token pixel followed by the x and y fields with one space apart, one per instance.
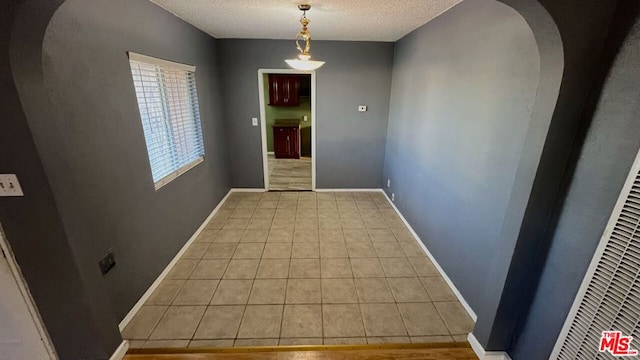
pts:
pixel 174 175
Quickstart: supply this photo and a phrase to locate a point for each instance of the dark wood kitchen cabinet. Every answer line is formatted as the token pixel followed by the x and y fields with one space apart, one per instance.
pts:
pixel 284 90
pixel 286 141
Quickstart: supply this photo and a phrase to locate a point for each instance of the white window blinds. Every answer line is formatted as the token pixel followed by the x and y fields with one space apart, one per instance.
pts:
pixel 609 298
pixel 168 104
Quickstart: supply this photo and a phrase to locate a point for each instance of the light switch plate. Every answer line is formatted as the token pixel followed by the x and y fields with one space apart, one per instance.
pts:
pixel 362 108
pixel 9 185
pixel 254 121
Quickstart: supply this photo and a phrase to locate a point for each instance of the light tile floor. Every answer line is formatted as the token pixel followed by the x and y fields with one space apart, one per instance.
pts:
pixel 301 268
pixel 289 174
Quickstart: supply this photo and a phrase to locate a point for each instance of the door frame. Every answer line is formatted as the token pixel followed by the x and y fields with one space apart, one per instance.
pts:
pixel 263 121
pixel 34 314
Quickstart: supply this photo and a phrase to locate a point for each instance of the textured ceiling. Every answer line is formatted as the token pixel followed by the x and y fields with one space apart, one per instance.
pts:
pixel 366 20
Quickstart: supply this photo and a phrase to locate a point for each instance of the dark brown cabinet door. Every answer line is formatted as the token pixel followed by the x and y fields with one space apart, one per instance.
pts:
pixel 284 90
pixel 286 142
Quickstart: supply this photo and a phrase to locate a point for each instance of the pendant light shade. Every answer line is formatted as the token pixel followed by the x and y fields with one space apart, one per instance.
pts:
pixel 304 61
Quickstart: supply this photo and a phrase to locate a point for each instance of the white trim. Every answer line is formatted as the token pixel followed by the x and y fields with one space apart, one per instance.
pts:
pixel 464 303
pixel 270 153
pixel 246 190
pixel 160 62
pixel 349 190
pixel 615 214
pixel 26 296
pixel 167 269
pixel 263 121
pixel 486 355
pixel 121 351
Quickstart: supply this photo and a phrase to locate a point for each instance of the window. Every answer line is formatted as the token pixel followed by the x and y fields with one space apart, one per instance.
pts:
pixel 168 104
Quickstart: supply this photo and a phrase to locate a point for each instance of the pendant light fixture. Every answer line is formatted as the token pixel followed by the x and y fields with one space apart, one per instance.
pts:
pixel 304 61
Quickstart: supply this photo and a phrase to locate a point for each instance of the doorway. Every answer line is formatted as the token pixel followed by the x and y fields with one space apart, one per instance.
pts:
pixel 288 126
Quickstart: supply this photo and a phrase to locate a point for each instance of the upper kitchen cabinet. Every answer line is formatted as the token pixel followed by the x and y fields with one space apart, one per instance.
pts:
pixel 284 90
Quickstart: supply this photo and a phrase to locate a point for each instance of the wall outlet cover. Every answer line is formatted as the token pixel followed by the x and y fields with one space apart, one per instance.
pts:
pixel 254 121
pixel 388 183
pixel 9 185
pixel 362 108
pixel 107 262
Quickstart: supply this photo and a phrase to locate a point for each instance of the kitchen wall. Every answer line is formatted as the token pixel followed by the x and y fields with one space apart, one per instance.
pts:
pixel 350 145
pixel 86 125
pixel 289 112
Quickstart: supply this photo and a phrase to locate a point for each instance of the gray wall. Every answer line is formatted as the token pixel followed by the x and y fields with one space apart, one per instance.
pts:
pixel 350 145
pixel 463 89
pixel 85 122
pixel 602 165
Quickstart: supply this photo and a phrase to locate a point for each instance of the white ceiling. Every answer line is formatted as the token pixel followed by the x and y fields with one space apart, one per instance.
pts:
pixel 364 20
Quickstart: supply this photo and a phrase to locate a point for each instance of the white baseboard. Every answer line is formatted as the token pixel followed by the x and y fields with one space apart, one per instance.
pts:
pixel 271 153
pixel 456 292
pixel 170 266
pixel 247 190
pixel 121 351
pixel 348 190
pixel 486 355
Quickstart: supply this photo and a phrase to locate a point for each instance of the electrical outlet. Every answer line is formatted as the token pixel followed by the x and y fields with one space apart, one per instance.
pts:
pixel 254 121
pixel 393 197
pixel 9 185
pixel 362 108
pixel 388 183
pixel 305 118
pixel 107 262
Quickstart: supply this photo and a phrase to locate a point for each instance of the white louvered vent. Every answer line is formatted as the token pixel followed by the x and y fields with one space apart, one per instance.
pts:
pixel 609 298
pixel 168 104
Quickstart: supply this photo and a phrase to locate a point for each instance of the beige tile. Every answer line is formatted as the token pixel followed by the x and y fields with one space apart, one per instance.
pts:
pixel 261 321
pixel 408 290
pixel 304 268
pixel 307 204
pixel 325 196
pixel 163 344
pixel 249 251
pixel 388 249
pixel 231 292
pixel 219 343
pixel 267 213
pixel 373 290
pixel 345 341
pixel 403 234
pixel 256 342
pixel 268 291
pixel 228 236
pixel 305 235
pixel 242 269
pixel 267 204
pixel 342 195
pixel 303 291
pixel 207 235
pixel 461 338
pixel 438 289
pixel 302 321
pixel 304 250
pixel 210 269
pixel 423 266
pixel 366 267
pixel 411 248
pixel 136 344
pixel 422 319
pixel 381 235
pixel 196 251
pixel 144 322
pixel 397 267
pixel 273 269
pixel 280 235
pixel 359 249
pixel 259 223
pixel 333 250
pixel 339 291
pixel 216 223
pixel 394 222
pixel 300 341
pixel 236 224
pixel 220 251
pixel 432 339
pixel 389 340
pixel 196 292
pixel 277 251
pixel 178 323
pixel 254 236
pixel 304 214
pixel 166 292
pixel 286 214
pixel 182 269
pixel 336 268
pixel 375 223
pixel 343 320
pixel 331 235
pixel 382 320
pixel 351 223
pixel 455 317
pixel 220 322
pixel 241 213
pixel 356 235
pixel 329 223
